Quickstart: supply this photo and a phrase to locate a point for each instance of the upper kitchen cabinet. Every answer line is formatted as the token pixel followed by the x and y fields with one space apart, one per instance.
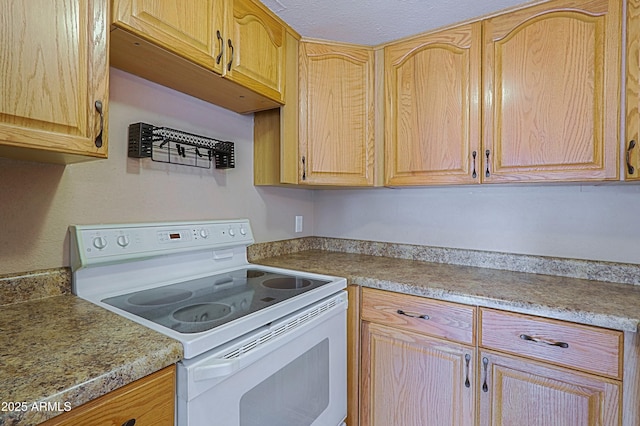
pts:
pixel 275 132
pixel 551 82
pixel 632 156
pixel 337 114
pixel 324 134
pixel 227 52
pixel 54 80
pixel 194 30
pixel 432 116
pixel 256 50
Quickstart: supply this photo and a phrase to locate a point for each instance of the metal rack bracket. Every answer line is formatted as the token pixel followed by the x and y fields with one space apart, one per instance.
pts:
pixel 167 145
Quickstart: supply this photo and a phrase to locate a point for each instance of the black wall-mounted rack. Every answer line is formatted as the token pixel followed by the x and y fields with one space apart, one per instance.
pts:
pixel 167 145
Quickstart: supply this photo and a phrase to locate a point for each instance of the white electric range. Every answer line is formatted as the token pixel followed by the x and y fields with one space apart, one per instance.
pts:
pixel 262 345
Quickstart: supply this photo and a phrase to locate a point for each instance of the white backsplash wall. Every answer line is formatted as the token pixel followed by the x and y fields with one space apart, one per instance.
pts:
pixel 596 222
pixel 39 201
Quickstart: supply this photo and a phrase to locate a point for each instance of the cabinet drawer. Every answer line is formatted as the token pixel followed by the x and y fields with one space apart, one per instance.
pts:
pixel 582 347
pixel 447 320
pixel 150 401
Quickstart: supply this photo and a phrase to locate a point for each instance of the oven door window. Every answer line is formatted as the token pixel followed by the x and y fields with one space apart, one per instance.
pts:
pixel 293 396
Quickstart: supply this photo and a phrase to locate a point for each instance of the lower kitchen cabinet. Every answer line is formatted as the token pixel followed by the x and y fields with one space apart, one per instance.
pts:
pixel 516 391
pixel 411 379
pixel 418 361
pixel 544 372
pixel 428 362
pixel 148 401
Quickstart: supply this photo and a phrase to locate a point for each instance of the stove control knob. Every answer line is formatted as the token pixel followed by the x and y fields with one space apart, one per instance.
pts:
pixel 243 231
pixel 122 241
pixel 204 232
pixel 232 232
pixel 99 242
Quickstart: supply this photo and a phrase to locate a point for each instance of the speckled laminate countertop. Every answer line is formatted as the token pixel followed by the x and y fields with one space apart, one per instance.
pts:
pixel 57 348
pixel 603 304
pixel 62 349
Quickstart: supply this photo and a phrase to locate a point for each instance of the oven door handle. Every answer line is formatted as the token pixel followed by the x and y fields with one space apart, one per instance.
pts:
pixel 216 368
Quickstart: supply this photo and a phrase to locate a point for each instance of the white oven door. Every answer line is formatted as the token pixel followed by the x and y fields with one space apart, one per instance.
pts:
pixel 290 373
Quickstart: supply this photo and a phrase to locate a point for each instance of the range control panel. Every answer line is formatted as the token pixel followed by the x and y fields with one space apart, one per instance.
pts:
pixel 107 243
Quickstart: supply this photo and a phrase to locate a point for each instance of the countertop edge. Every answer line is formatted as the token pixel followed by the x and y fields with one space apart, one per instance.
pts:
pixel 94 388
pixel 585 317
pixel 39 406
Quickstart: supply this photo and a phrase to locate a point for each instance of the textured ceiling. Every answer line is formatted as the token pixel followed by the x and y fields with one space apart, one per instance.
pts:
pixel 373 22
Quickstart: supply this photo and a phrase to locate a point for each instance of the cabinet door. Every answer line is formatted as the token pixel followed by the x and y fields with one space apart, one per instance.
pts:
pixel 148 401
pixel 54 69
pixel 193 30
pixel 256 50
pixel 632 154
pixel 336 114
pixel 410 379
pixel 432 120
pixel 552 92
pixel 520 392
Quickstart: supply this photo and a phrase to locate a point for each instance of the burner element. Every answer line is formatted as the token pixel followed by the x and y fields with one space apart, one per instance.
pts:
pixel 287 283
pixel 203 312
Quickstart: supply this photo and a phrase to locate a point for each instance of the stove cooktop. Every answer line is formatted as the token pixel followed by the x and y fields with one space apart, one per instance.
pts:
pixel 189 280
pixel 202 304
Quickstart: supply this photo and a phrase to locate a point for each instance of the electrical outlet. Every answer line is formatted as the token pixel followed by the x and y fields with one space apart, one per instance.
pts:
pixel 298 223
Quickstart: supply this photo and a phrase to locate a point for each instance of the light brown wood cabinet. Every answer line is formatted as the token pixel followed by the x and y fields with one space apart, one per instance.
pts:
pixel 418 361
pixel 427 362
pixel 189 47
pixel 194 30
pixel 632 142
pixel 519 391
pixel 54 103
pixel 411 379
pixel 329 139
pixel 432 111
pixel 538 371
pixel 256 50
pixel 549 100
pixel 148 401
pixel 551 83
pixel 336 114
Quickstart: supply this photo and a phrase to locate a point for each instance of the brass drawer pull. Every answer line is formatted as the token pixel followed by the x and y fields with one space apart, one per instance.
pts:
pixel 412 315
pixel 563 345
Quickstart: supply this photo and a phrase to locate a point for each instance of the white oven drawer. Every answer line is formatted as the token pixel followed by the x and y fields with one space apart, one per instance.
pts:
pixel 293 378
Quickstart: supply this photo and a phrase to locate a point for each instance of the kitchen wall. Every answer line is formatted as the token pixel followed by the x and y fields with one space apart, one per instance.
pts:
pixel 597 222
pixel 39 201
